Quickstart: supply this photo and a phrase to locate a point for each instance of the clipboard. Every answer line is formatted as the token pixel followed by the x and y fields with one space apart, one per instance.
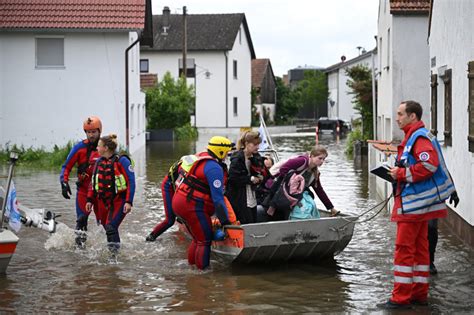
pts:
pixel 383 172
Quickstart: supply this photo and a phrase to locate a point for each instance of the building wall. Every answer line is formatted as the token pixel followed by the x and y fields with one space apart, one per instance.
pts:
pixel 452 44
pixel 343 107
pixel 384 71
pixel 410 67
pixel 137 109
pixel 210 91
pixel 403 74
pixel 241 86
pixel 46 107
pixel 333 96
pixel 268 88
pixel 212 110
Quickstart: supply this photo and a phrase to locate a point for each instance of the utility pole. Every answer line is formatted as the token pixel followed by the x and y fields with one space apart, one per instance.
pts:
pixel 185 46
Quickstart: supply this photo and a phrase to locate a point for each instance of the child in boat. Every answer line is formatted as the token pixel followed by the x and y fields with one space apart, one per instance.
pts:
pixel 112 189
pixel 306 165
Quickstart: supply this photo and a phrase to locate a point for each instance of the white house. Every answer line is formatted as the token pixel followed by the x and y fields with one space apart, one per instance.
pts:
pixel 218 60
pixel 403 70
pixel 340 101
pixel 61 63
pixel 451 45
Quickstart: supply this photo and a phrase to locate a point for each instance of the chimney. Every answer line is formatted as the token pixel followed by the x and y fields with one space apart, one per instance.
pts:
pixel 166 19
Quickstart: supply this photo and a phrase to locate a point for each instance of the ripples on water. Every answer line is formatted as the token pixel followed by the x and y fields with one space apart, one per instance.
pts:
pixel 48 274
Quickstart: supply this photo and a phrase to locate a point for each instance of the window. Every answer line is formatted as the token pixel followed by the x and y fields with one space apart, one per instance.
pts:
pixel 448 108
pixel 49 52
pixel 240 36
pixel 470 76
pixel 190 67
pixel 235 69
pixel 144 64
pixel 434 104
pixel 235 106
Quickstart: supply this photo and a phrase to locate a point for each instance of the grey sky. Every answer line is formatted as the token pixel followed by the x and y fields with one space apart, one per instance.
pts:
pixel 296 33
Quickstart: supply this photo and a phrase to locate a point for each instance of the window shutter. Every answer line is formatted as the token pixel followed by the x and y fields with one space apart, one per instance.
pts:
pixel 448 140
pixel 434 104
pixel 470 76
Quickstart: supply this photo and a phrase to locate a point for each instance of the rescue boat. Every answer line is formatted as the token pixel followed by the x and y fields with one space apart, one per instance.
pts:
pixel 309 241
pixel 8 242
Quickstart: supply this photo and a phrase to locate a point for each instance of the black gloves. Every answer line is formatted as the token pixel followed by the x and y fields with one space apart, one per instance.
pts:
pixel 66 190
pixel 454 198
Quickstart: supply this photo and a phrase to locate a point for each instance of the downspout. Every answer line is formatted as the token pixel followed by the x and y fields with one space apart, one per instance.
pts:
pixel 374 99
pixel 226 90
pixel 127 123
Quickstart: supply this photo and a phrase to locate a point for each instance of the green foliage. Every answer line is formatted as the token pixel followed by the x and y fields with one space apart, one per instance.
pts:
pixel 313 93
pixel 169 104
pixel 38 158
pixel 355 135
pixel 287 105
pixel 186 132
pixel 360 83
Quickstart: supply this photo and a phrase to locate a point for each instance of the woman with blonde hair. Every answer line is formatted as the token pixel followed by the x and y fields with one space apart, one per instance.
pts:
pixel 245 174
pixel 112 189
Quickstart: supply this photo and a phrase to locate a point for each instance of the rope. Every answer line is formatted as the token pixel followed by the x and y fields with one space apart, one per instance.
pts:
pixel 384 202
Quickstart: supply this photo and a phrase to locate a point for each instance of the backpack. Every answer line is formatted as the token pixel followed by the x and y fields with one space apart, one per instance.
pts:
pixel 305 209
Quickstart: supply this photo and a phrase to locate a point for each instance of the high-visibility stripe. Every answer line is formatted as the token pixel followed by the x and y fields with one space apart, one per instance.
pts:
pixel 406 269
pixel 408 176
pixel 420 279
pixel 427 194
pixel 421 268
pixel 430 167
pixel 429 209
pixel 403 279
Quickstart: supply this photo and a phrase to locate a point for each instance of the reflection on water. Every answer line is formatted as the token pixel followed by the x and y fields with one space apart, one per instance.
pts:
pixel 48 274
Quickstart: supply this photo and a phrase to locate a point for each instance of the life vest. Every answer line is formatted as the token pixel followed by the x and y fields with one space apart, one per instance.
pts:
pixel 85 168
pixel 107 179
pixel 192 181
pixel 427 195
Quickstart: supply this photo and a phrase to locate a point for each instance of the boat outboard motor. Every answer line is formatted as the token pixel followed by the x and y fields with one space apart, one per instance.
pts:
pixel 40 218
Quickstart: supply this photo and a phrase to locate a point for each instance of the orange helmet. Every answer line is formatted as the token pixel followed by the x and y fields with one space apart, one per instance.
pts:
pixel 92 123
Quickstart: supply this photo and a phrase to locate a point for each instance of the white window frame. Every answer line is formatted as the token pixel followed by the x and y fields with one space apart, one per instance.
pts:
pixel 63 66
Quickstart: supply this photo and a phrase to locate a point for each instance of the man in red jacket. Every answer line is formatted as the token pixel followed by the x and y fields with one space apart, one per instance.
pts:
pixel 422 186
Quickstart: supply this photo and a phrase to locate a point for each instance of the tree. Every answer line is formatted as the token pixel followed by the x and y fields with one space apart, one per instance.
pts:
pixel 313 93
pixel 360 83
pixel 286 105
pixel 169 104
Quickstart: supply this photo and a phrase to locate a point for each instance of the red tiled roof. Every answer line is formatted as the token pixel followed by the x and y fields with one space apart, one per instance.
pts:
pixel 409 6
pixel 259 68
pixel 72 14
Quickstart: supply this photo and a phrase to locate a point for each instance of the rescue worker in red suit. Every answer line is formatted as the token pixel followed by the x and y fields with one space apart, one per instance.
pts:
pixel 112 189
pixel 199 195
pixel 167 192
pixel 423 184
pixel 168 187
pixel 84 154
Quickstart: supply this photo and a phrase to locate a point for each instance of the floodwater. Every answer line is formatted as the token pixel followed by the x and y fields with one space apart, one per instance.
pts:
pixel 48 274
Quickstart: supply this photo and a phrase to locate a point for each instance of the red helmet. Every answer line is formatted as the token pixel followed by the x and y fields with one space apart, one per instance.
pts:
pixel 92 123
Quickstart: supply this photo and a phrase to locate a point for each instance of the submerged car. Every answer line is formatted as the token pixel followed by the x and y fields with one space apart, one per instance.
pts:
pixel 332 125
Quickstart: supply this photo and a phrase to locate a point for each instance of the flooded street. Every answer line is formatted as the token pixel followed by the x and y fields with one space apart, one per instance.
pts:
pixel 48 274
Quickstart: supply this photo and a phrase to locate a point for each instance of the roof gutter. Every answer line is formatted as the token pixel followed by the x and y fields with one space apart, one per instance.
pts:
pixel 127 96
pixel 226 89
